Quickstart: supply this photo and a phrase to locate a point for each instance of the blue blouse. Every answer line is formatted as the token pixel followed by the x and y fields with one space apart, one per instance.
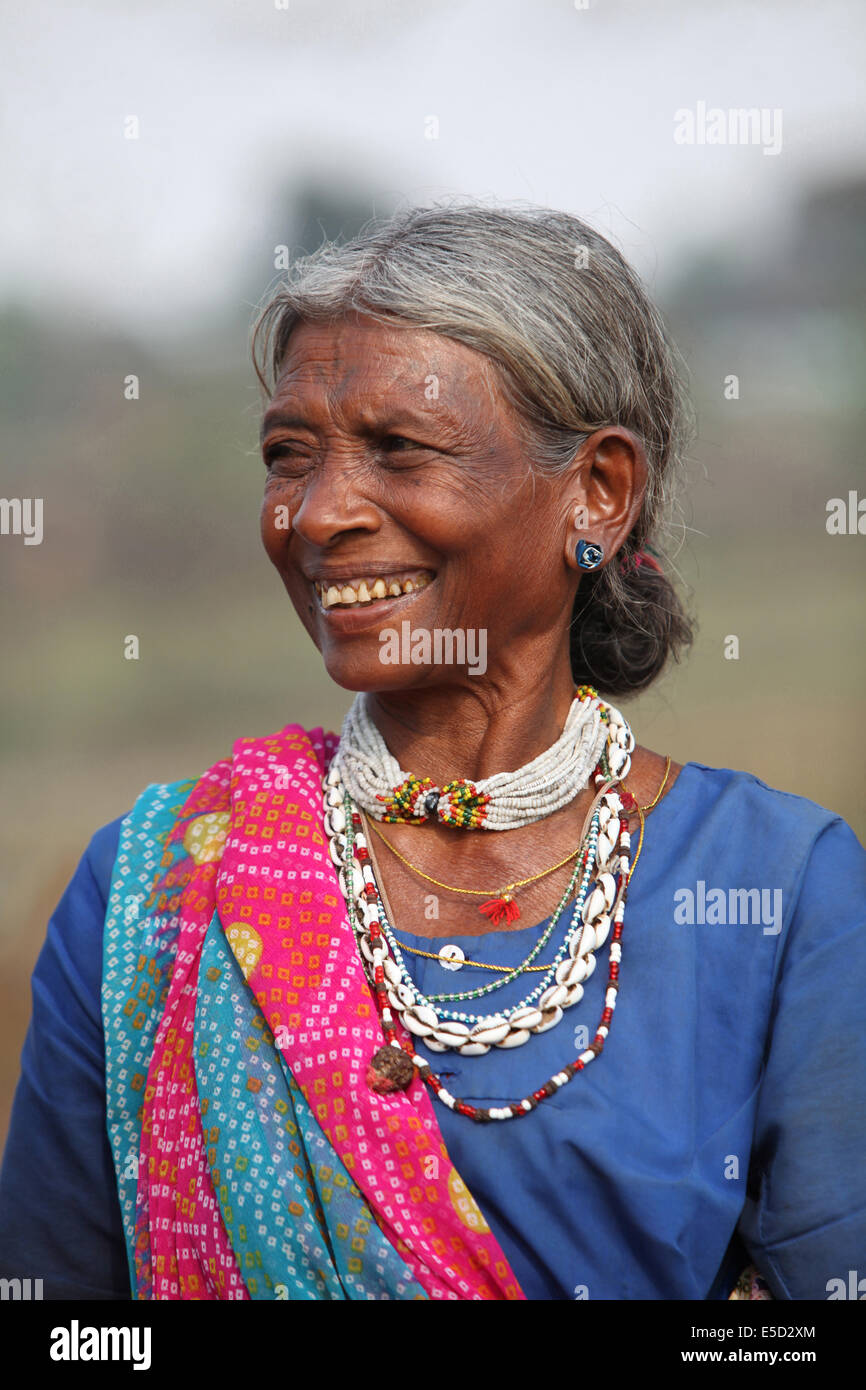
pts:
pixel 723 1123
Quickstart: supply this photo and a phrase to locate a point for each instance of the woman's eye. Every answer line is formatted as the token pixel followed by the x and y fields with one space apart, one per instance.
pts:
pixel 277 453
pixel 291 456
pixel 399 444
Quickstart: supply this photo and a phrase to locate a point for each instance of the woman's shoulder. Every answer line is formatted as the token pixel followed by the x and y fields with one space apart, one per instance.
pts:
pixel 734 791
pixel 714 792
pixel 101 853
pixel 737 824
pixel 160 800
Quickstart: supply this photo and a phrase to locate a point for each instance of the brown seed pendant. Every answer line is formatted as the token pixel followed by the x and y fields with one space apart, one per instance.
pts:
pixel 390 1069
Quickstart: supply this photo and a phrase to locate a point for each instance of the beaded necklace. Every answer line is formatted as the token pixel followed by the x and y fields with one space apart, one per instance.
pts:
pixel 504 801
pixel 499 906
pixel 599 912
pixel 401 976
pixel 454 959
pixel 451 957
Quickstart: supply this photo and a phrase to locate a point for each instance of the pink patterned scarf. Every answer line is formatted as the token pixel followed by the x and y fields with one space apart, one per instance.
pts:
pixel 249 844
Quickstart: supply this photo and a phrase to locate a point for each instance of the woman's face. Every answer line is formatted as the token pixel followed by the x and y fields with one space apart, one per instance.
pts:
pixel 399 491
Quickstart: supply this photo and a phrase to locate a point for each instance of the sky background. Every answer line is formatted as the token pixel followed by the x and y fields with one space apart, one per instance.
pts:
pixel 538 101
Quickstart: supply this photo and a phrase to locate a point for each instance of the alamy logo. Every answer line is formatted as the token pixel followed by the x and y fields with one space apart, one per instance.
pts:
pixel 444 646
pixel 736 907
pixel 855 1288
pixel 22 1289
pixel 846 520
pixel 733 125
pixel 22 516
pixel 76 1343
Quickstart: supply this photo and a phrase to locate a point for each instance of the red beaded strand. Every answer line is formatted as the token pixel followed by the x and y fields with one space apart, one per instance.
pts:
pixel 432 1080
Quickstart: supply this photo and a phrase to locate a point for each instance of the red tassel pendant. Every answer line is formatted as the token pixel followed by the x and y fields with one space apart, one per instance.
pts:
pixel 503 908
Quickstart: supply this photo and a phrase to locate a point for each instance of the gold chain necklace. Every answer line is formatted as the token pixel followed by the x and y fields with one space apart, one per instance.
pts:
pixel 499 904
pixel 657 797
pixel 431 955
pixel 481 965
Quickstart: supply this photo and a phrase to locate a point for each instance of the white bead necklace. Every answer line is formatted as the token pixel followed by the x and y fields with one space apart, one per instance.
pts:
pixel 473 1035
pixel 600 906
pixel 375 780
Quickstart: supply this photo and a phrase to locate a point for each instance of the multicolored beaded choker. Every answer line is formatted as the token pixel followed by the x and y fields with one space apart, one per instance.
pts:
pixel 375 780
pixel 598 912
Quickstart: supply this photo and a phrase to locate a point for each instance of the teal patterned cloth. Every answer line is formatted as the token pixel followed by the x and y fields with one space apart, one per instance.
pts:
pixel 297 1224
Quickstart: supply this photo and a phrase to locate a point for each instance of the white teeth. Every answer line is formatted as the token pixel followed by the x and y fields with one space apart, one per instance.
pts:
pixel 363 593
pixel 348 595
pixel 378 590
pixel 332 596
pixel 408 587
pixel 394 589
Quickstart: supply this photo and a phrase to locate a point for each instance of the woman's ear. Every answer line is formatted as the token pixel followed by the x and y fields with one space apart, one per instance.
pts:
pixel 607 488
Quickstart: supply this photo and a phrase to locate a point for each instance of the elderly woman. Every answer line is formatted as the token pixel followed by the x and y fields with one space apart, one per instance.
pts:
pixel 482 1000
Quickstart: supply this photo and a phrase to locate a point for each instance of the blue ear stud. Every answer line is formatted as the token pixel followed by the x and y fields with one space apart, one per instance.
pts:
pixel 589 555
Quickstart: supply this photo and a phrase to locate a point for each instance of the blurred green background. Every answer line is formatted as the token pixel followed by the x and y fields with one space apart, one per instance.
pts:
pixel 151 506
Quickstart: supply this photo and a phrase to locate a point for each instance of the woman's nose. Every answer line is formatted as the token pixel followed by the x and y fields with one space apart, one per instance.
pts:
pixel 335 501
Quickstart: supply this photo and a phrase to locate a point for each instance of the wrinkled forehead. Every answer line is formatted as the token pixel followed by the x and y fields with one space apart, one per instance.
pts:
pixel 363 370
pixel 387 356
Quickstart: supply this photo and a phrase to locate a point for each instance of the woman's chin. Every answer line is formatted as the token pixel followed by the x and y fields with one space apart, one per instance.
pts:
pixel 356 673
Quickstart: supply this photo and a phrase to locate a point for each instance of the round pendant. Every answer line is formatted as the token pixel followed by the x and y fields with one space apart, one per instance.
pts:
pixel 390 1070
pixel 451 957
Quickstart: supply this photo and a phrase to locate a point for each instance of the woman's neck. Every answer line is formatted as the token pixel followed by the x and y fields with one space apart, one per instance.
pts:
pixel 476 729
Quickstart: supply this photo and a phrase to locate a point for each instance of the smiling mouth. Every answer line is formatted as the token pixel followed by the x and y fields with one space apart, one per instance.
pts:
pixel 359 593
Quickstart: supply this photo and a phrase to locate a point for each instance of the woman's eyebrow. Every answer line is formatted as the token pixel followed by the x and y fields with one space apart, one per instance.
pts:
pixel 397 417
pixel 277 419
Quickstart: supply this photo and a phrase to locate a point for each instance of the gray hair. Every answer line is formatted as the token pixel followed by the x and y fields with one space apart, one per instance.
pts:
pixel 578 345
